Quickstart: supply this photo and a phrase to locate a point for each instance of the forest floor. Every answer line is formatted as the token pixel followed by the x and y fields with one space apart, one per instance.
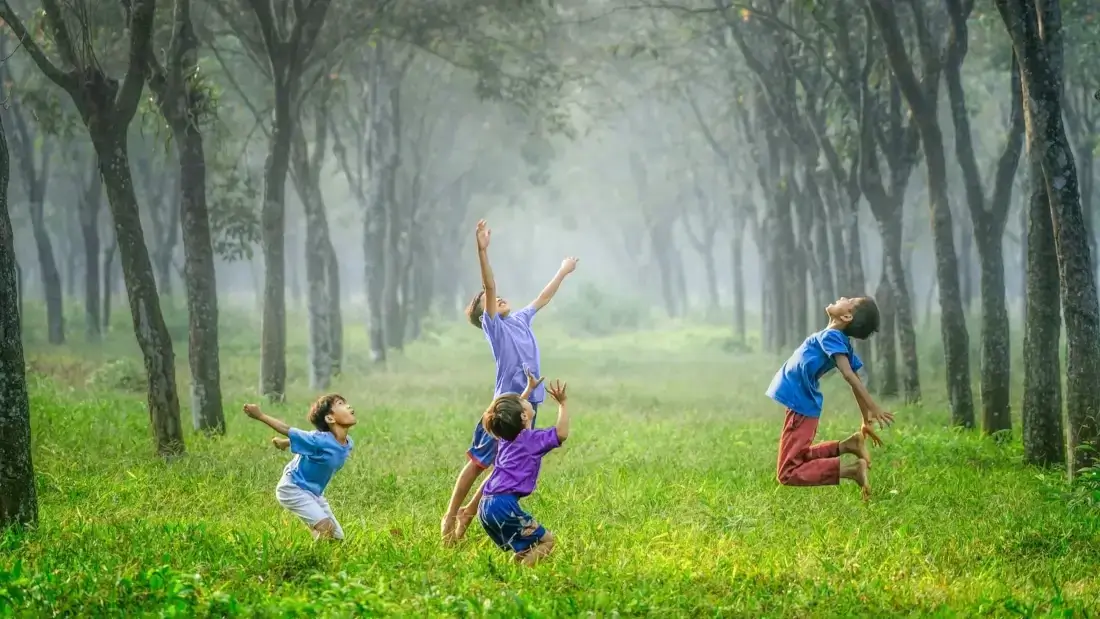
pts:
pixel 664 500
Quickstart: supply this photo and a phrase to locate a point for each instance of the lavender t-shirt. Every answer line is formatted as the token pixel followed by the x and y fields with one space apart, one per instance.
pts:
pixel 514 347
pixel 518 462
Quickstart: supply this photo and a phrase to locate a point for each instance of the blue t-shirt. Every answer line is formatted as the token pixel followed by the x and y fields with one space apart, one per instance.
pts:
pixel 795 385
pixel 514 348
pixel 317 456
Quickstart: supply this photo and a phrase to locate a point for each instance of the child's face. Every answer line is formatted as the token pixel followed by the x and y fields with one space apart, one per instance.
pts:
pixel 841 309
pixel 528 414
pixel 502 307
pixel 342 414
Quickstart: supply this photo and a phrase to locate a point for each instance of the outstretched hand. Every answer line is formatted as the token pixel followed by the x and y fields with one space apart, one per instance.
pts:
pixel 869 433
pixel 556 390
pixel 482 233
pixel 252 410
pixel 569 265
pixel 533 381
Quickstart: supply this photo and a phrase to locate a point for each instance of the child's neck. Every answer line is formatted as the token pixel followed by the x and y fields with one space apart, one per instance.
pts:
pixel 340 432
pixel 835 324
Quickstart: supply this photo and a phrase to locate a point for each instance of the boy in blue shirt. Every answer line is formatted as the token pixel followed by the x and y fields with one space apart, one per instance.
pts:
pixel 317 456
pixel 795 386
pixel 516 353
pixel 511 418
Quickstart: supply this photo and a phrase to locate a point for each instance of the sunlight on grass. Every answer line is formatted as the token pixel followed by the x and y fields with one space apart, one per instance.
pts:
pixel 664 500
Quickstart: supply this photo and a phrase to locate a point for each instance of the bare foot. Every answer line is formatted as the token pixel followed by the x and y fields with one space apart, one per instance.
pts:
pixel 860 477
pixel 857 444
pixel 462 523
pixel 447 529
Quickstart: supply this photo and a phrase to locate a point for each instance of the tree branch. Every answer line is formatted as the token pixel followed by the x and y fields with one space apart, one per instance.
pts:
pixel 141 48
pixel 66 81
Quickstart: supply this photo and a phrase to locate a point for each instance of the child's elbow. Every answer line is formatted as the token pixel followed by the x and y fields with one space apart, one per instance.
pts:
pixel 562 435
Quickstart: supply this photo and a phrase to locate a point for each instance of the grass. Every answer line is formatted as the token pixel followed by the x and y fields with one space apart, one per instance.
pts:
pixel 664 500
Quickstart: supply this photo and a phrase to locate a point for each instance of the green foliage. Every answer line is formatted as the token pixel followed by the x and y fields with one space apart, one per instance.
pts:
pixel 123 374
pixel 593 311
pixel 234 216
pixel 666 483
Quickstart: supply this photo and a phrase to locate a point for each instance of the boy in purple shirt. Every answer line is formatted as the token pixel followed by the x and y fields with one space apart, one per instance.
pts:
pixel 511 419
pixel 516 352
pixel 796 386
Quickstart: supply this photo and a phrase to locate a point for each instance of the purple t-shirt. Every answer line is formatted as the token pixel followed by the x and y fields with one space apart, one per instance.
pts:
pixel 514 347
pixel 518 462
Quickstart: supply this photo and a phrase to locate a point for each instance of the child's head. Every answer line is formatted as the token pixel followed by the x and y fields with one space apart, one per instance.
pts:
pixel 507 416
pixel 856 317
pixel 477 307
pixel 331 411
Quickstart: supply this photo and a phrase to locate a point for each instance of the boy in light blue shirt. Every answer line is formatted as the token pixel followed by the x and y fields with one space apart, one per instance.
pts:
pixel 516 353
pixel 317 457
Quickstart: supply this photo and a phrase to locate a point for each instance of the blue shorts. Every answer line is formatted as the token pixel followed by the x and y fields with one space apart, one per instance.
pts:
pixel 507 524
pixel 483 447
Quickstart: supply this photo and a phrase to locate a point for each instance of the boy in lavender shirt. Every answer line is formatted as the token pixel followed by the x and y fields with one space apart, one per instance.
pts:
pixel 511 419
pixel 516 352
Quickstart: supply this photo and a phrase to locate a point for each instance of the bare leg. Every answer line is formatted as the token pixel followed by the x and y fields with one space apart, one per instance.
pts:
pixel 856 445
pixel 857 472
pixel 469 512
pixel 465 481
pixel 538 551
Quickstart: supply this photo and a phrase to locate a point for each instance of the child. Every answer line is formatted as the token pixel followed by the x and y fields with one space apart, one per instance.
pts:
pixel 515 352
pixel 519 457
pixel 317 456
pixel 795 386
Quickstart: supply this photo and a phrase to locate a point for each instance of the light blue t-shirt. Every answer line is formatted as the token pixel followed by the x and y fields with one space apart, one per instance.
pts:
pixel 796 384
pixel 514 348
pixel 317 456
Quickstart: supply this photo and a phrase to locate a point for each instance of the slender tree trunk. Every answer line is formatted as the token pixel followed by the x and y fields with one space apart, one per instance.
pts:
pixel 273 236
pixel 737 267
pixel 335 317
pixel 200 282
pixel 51 275
pixel 382 158
pixel 152 334
pixel 108 282
pixel 885 340
pixel 901 306
pixel 89 226
pixel 18 500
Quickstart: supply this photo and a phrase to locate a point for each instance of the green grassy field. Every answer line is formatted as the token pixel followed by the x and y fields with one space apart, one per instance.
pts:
pixel 664 499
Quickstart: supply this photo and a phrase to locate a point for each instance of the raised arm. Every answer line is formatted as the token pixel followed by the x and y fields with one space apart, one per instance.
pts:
pixel 253 411
pixel 868 408
pixel 557 391
pixel 567 266
pixel 488 284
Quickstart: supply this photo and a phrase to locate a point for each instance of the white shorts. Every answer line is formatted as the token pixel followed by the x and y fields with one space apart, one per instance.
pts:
pixel 306 505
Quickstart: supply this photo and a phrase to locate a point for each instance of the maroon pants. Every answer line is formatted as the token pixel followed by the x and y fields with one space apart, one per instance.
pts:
pixel 801 463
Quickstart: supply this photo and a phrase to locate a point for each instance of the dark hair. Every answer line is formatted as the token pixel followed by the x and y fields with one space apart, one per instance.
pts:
pixel 865 318
pixel 504 417
pixel 475 309
pixel 321 408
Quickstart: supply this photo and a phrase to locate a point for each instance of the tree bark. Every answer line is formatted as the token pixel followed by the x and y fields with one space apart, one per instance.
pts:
pixel 953 328
pixel 885 343
pixel 90 205
pixel 1036 34
pixel 737 255
pixel 108 281
pixel 18 500
pixel 34 165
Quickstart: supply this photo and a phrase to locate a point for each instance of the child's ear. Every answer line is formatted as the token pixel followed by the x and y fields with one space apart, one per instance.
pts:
pixel 329 419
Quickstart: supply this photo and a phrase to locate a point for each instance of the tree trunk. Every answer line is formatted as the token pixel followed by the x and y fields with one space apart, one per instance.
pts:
pixel 141 291
pixel 885 340
pixel 108 282
pixel 89 226
pixel 200 282
pixel 18 500
pixel 1043 436
pixel 922 103
pixel 661 240
pixel 335 317
pixel 382 163
pixel 996 336
pixel 273 229
pixel 1036 35
pixel 737 267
